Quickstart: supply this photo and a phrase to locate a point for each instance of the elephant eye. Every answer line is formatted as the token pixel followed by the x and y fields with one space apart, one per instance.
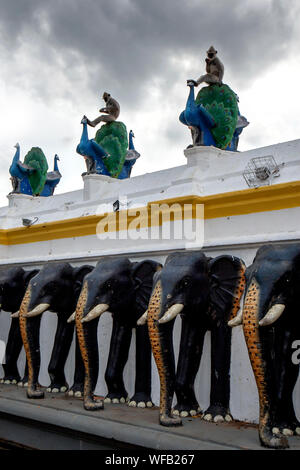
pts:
pixel 185 282
pixel 49 288
pixel 52 286
pixel 287 278
pixel 110 284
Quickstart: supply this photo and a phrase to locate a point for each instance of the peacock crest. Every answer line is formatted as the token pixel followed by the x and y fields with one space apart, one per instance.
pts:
pixel 113 138
pixel 222 104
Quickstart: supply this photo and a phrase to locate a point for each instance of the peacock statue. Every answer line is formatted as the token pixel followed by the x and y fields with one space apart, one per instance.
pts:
pixel 111 152
pixel 131 157
pixel 19 174
pixel 53 178
pixel 214 117
pixel 93 153
pixel 31 177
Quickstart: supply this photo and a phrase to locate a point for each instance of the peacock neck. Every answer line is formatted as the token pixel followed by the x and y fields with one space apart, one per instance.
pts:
pixel 84 132
pixel 17 155
pixel 55 164
pixel 191 98
pixel 131 145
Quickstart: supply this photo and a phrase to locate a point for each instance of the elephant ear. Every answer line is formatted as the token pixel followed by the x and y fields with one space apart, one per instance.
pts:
pixel 79 274
pixel 29 275
pixel 142 274
pixel 227 278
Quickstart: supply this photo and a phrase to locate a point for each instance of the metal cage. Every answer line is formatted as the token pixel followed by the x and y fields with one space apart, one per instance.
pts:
pixel 260 171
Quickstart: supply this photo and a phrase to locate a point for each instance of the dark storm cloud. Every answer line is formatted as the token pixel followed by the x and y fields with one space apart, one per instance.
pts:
pixel 123 45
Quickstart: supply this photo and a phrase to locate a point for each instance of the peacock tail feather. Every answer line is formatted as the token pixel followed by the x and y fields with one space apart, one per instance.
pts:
pixel 113 138
pixel 36 160
pixel 221 102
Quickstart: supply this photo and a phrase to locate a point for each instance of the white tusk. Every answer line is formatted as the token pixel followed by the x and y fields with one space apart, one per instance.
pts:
pixel 143 319
pixel 95 312
pixel 72 317
pixel 171 313
pixel 236 321
pixel 273 314
pixel 38 310
pixel 15 315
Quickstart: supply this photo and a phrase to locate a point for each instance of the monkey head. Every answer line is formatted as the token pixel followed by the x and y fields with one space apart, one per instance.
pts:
pixel 105 96
pixel 211 53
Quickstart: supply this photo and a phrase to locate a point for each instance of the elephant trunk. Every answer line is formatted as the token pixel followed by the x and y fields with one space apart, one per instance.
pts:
pixel 162 348
pixel 257 355
pixel 30 328
pixel 88 343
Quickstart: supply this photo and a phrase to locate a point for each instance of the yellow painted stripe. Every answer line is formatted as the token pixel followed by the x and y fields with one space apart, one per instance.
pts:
pixel 263 199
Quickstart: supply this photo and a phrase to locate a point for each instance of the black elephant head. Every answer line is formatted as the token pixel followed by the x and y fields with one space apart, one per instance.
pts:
pixel 206 293
pixel 51 290
pixel 110 286
pixel 56 289
pixel 123 288
pixel 271 324
pixel 13 284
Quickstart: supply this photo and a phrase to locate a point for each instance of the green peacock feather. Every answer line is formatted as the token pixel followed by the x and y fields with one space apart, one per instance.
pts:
pixel 113 138
pixel 221 103
pixel 36 159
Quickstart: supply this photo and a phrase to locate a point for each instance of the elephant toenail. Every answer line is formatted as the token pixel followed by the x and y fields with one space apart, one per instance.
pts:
pixel 218 419
pixel 208 417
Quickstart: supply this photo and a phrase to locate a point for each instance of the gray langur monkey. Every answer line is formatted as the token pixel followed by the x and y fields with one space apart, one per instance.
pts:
pixel 214 69
pixel 112 109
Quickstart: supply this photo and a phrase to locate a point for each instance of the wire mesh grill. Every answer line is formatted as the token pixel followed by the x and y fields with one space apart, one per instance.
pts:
pixel 260 171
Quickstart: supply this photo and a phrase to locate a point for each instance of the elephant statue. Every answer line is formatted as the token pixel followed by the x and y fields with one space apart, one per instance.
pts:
pixel 13 284
pixel 271 325
pixel 55 288
pixel 206 293
pixel 123 288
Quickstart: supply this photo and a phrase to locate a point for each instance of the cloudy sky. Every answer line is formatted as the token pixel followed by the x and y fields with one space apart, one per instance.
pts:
pixel 57 58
